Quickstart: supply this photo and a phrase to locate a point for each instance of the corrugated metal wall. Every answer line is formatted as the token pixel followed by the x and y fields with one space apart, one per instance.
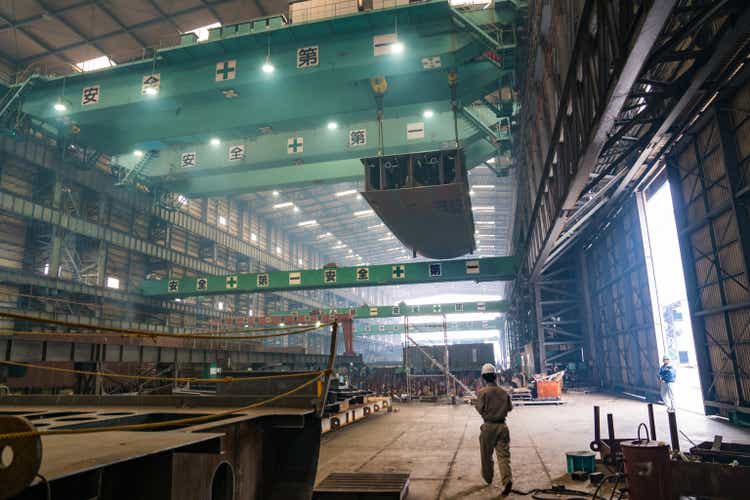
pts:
pixel 709 172
pixel 623 339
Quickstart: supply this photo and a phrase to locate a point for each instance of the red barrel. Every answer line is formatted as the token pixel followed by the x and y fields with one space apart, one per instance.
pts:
pixel 648 470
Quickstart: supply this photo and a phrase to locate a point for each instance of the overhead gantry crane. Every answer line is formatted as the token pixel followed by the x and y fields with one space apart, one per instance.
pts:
pixel 292 103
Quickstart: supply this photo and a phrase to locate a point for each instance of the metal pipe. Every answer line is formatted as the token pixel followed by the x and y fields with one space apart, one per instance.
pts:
pixel 673 432
pixel 651 422
pixel 597 426
pixel 610 427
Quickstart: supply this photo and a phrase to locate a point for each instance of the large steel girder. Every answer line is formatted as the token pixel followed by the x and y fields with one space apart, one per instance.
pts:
pixel 610 49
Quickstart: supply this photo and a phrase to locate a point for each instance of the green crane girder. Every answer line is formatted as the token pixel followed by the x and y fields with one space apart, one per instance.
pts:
pixel 216 89
pixel 397 311
pixel 450 326
pixel 481 269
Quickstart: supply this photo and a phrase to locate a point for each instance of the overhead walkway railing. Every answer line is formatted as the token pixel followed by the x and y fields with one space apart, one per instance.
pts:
pixel 481 269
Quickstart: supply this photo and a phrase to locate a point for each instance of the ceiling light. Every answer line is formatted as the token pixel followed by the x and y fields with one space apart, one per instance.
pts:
pixel 397 48
pixel 376 226
pixel 387 238
pixel 324 235
pixel 363 213
pixel 215 141
pixel 60 105
pixel 296 209
pixel 471 192
pixel 275 193
pixel 428 113
pixel 282 324
pixel 268 67
pixel 286 204
pixel 308 223
pixel 138 153
pixel 150 91
pixel 347 192
pixel 483 186
pixel 333 125
pixel 484 208
pixel 485 222
pixel 491 160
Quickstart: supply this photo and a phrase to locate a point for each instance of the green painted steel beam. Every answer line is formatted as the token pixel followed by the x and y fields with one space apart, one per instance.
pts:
pixel 318 144
pixel 450 326
pixel 482 269
pixel 325 172
pixel 397 311
pixel 192 104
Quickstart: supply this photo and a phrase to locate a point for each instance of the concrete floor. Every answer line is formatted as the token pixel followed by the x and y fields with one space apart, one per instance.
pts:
pixel 438 444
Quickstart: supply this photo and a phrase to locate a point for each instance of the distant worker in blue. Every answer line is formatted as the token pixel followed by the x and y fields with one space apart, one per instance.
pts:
pixel 667 377
pixel 493 404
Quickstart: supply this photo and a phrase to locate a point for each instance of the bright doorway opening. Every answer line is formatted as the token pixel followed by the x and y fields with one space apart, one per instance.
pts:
pixel 674 333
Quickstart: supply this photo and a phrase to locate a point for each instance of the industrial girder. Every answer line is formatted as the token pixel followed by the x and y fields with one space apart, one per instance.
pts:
pixel 608 55
pixel 450 326
pixel 481 269
pixel 370 312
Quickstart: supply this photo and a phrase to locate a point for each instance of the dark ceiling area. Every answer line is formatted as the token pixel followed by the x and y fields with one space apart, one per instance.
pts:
pixel 52 36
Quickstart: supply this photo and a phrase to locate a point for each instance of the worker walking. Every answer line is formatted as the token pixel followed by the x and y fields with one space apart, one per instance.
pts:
pixel 493 403
pixel 667 377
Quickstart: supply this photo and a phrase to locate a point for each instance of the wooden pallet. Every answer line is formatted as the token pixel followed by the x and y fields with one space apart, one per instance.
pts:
pixel 363 486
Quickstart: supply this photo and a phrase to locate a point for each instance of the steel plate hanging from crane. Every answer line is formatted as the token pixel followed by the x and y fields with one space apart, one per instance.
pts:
pixel 424 200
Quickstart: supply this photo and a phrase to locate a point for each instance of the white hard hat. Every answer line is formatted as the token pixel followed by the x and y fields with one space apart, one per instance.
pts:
pixel 488 368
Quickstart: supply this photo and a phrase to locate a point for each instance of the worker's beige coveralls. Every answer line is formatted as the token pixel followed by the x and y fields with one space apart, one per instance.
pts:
pixel 493 403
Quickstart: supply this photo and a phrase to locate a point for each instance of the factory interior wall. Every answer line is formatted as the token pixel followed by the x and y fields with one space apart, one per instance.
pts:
pixel 709 174
pixel 622 324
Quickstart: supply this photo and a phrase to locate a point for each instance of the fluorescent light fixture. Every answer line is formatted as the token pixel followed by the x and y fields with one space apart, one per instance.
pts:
pixel 491 160
pixel 202 32
pixel 296 209
pixel 275 193
pixel 95 63
pixel 324 235
pixel 278 250
pixel 332 125
pixel 253 237
pixel 346 193
pixel 471 192
pixel 482 186
pixel 351 251
pixel 307 223
pixel 484 208
pixel 394 249
pixel 150 91
pixel 363 213
pixel 428 113
pixel 222 220
pixel 220 306
pixel 299 262
pixel 397 48
pixel 285 204
pixel 113 282
pixel 215 141
pixel 387 238
pixel 485 222
pixel 376 226
pixel 138 153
